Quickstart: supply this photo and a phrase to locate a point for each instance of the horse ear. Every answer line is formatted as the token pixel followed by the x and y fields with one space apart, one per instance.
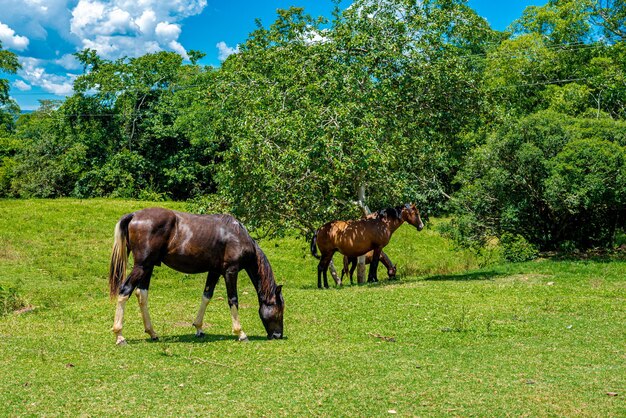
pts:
pixel 279 291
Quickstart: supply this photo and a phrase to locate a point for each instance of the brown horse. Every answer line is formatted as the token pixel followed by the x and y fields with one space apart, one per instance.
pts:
pixel 357 237
pixel 349 264
pixel 217 244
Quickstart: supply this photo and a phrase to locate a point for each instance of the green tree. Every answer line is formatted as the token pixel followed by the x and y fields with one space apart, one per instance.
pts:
pixel 549 178
pixel 556 58
pixel 8 108
pixel 381 98
pixel 49 161
pixel 137 104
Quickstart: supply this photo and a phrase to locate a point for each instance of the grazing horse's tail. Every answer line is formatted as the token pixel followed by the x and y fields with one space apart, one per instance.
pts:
pixel 119 255
pixel 314 245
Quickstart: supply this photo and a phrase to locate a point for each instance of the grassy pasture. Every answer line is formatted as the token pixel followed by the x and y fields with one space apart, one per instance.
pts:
pixel 543 338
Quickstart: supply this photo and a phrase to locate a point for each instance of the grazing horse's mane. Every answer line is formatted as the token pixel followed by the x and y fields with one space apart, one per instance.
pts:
pixel 267 285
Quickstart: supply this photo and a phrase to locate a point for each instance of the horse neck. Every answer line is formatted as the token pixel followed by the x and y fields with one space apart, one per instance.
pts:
pixel 394 223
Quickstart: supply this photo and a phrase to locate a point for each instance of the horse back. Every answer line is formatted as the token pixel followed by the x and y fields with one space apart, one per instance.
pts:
pixel 354 237
pixel 188 243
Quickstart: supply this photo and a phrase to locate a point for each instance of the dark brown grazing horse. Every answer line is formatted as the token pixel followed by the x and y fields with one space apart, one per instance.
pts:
pixel 349 264
pixel 357 237
pixel 217 244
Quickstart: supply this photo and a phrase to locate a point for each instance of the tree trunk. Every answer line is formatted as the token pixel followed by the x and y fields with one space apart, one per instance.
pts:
pixel 360 269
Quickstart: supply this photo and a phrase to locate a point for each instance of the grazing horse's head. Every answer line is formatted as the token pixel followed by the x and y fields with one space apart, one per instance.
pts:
pixel 411 214
pixel 271 313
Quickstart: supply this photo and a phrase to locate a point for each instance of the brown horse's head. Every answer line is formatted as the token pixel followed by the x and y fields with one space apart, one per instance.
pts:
pixel 411 214
pixel 271 313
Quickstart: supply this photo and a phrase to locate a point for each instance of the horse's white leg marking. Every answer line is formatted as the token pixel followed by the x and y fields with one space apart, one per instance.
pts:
pixel 200 317
pixel 119 319
pixel 236 325
pixel 142 298
pixel 333 273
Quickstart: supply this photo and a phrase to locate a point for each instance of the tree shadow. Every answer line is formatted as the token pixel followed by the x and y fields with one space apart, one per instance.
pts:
pixel 400 280
pixel 461 277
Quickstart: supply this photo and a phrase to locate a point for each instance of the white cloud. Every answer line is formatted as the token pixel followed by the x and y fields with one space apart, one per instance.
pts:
pixel 178 48
pixel 34 73
pixel 21 85
pixel 36 18
pixel 224 51
pixel 115 28
pixel 85 16
pixel 118 28
pixel 69 62
pixel 11 40
pixel 146 22
pixel 167 31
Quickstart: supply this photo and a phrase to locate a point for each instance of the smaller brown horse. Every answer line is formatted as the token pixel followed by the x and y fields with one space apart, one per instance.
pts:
pixel 349 264
pixel 357 237
pixel 217 244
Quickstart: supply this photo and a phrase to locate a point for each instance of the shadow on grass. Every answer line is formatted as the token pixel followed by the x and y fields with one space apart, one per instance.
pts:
pixel 461 277
pixel 192 339
pixel 400 280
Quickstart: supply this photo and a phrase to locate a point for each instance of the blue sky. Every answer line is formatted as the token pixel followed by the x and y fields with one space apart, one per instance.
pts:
pixel 44 33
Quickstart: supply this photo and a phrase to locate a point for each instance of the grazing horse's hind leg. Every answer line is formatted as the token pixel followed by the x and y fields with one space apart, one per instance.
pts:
pixel 142 298
pixel 140 275
pixel 209 288
pixel 322 269
pixel 230 278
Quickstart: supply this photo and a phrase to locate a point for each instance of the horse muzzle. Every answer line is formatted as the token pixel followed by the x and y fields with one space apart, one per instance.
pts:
pixel 275 336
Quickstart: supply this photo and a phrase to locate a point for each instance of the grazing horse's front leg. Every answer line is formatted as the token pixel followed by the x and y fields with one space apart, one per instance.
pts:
pixel 230 278
pixel 209 288
pixel 372 276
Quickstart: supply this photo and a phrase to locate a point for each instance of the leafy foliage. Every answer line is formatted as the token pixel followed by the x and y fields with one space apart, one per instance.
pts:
pixel 515 248
pixel 394 97
pixel 549 178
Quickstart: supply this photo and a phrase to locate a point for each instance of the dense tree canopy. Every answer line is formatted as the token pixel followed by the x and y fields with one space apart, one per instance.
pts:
pixel 412 101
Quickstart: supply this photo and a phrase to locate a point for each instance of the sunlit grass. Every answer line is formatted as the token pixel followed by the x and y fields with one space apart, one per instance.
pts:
pixel 539 338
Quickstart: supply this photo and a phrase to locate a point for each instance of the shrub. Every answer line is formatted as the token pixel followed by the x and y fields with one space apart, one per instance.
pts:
pixel 548 179
pixel 515 248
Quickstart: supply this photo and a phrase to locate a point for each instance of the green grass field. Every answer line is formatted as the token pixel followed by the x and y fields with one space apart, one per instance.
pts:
pixel 544 338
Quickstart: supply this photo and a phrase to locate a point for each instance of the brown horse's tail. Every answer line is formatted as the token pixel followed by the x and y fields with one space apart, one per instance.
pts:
pixel 314 245
pixel 119 255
